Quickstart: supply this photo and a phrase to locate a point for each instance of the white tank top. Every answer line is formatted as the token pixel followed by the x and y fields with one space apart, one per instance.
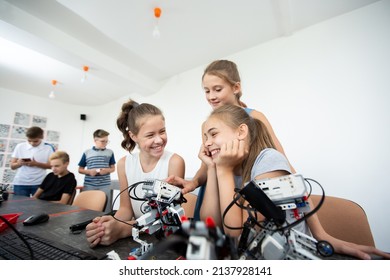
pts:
pixel 134 174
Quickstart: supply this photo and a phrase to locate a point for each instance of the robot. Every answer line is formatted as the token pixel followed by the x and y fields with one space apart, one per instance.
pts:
pixel 162 216
pixel 205 240
pixel 274 239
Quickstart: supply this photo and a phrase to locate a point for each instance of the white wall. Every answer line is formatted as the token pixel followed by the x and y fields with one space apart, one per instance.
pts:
pixel 324 89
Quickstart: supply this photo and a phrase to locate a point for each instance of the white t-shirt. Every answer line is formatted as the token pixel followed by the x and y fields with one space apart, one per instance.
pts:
pixel 134 174
pixel 31 175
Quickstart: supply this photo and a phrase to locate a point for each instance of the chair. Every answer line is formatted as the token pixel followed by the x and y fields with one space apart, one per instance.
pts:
pixel 344 219
pixel 72 196
pixel 189 206
pixel 92 199
pixel 71 199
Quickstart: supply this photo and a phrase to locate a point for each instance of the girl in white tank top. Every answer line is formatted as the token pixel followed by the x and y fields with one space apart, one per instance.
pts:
pixel 142 126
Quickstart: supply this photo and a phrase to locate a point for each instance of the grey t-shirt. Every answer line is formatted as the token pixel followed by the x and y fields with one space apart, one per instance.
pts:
pixel 269 160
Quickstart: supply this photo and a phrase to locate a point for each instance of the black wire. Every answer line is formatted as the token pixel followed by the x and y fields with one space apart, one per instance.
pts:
pixel 237 196
pixel 129 188
pixel 132 188
pixel 311 213
pixel 19 235
pixel 141 207
pixel 311 188
pixel 235 199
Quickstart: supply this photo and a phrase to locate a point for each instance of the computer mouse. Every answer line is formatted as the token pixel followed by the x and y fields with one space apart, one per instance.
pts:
pixel 36 219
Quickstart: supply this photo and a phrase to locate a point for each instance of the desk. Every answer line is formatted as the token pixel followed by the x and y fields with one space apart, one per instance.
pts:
pixel 61 217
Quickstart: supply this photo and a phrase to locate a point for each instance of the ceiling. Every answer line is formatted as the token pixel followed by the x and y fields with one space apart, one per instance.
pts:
pixel 45 40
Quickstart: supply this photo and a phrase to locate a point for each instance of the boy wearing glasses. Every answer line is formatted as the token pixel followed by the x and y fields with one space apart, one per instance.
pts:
pixel 97 164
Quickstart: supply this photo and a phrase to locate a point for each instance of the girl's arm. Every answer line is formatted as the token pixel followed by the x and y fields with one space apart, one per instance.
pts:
pixel 125 211
pixel 106 230
pixel 176 166
pixel 230 157
pixel 341 246
pixel 210 205
pixel 234 216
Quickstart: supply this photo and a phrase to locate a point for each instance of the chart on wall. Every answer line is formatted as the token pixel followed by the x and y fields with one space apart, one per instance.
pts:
pixel 15 133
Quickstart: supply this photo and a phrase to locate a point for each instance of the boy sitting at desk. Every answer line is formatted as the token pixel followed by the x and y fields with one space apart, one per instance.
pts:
pixel 59 185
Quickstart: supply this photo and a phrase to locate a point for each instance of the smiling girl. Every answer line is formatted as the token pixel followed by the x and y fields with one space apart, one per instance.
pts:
pixel 237 149
pixel 142 125
pixel 221 84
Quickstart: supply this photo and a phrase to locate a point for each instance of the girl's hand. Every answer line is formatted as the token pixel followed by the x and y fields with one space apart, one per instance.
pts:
pixel 231 154
pixel 94 232
pixel 204 155
pixel 186 185
pixel 359 251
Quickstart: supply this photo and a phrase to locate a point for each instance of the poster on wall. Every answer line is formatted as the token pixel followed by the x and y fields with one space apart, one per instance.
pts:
pixel 7 160
pixel 39 121
pixel 18 132
pixel 3 145
pixel 4 130
pixel 22 119
pixel 52 136
pixel 8 176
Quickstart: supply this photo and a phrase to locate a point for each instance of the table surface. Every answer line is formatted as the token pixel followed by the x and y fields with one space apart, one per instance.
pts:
pixel 61 218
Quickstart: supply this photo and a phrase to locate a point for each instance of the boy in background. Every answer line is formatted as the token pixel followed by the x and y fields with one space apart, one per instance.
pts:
pixel 59 185
pixel 31 159
pixel 97 164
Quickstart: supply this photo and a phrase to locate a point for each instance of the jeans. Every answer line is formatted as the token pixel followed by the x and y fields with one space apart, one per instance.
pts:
pixel 25 190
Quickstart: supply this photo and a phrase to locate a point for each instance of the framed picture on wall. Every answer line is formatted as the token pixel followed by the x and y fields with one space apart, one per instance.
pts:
pixel 4 130
pixel 18 132
pixel 39 121
pixel 22 119
pixel 53 136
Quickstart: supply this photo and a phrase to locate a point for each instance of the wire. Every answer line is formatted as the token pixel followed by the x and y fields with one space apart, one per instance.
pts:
pixel 235 199
pixel 249 209
pixel 312 212
pixel 129 189
pixel 133 187
pixel 19 235
pixel 132 194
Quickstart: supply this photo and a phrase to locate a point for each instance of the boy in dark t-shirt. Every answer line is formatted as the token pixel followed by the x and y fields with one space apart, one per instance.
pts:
pixel 59 185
